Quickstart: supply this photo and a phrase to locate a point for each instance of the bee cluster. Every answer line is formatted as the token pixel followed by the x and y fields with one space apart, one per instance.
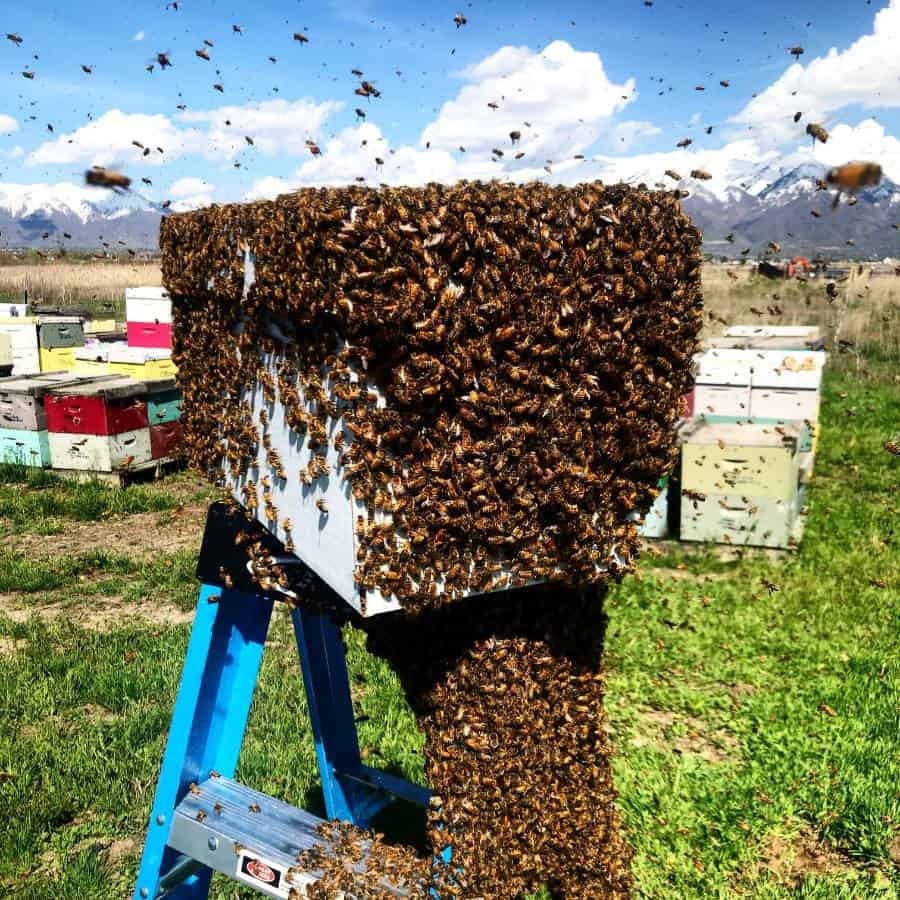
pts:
pixel 510 697
pixel 507 363
pixel 507 360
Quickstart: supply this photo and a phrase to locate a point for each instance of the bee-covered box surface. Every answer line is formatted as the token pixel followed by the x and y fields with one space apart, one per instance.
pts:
pixel 430 393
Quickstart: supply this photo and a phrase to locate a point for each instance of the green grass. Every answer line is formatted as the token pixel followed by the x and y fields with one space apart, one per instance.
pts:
pixel 37 501
pixel 739 716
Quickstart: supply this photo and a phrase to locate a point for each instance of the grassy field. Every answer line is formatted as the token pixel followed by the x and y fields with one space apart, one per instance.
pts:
pixel 756 731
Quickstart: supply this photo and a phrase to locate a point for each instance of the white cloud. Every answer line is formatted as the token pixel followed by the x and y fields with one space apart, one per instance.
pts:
pixel 563 93
pixel 275 126
pixel 139 36
pixel 866 141
pixel 108 140
pixel 8 124
pixel 194 201
pixel 866 73
pixel 184 187
pixel 626 134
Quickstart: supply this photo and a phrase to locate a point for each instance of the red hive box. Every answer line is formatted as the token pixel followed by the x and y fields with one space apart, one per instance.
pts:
pixel 150 334
pixel 165 439
pixel 102 406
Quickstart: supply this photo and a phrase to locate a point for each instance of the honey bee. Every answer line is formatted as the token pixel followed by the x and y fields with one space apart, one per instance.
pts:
pixel 673 174
pixel 700 174
pixel 817 132
pixel 321 505
pixel 100 177
pixel 853 176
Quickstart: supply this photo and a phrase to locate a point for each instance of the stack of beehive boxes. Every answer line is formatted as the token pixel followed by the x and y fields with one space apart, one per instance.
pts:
pixel 761 384
pixel 24 437
pixel 98 425
pixel 42 343
pixel 88 423
pixel 148 314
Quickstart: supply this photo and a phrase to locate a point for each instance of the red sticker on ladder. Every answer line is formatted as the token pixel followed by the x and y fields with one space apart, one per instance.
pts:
pixel 261 873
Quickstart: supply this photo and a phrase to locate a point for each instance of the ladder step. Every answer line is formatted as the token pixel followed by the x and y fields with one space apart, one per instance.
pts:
pixel 218 825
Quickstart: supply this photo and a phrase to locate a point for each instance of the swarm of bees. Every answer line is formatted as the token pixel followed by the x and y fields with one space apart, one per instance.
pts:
pixel 524 326
pixel 507 364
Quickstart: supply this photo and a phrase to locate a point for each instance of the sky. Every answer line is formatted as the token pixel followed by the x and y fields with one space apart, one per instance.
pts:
pixel 580 90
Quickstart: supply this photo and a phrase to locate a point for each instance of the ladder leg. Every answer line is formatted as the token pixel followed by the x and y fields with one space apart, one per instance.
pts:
pixel 348 790
pixel 208 723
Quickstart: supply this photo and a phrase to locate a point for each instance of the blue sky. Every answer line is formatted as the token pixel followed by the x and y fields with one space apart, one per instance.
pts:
pixel 618 85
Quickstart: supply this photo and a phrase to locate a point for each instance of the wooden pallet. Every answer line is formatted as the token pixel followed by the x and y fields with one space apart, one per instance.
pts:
pixel 147 471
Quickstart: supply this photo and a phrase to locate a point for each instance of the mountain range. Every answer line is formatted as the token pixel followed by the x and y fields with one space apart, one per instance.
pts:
pixel 746 209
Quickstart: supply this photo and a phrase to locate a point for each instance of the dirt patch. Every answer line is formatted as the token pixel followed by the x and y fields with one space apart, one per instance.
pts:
pixel 102 614
pixel 672 732
pixel 791 860
pixel 138 535
pixel 894 850
pixel 8 646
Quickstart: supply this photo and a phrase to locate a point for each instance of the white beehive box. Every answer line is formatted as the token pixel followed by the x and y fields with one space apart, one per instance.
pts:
pixel 5 350
pixel 23 340
pixel 804 332
pixel 14 310
pixel 149 305
pixel 723 366
pixel 325 540
pixel 722 400
pixel 99 452
pixel 785 404
pixel 787 368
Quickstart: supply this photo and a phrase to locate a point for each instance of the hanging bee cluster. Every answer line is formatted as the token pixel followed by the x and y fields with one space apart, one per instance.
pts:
pixel 506 362
pixel 510 697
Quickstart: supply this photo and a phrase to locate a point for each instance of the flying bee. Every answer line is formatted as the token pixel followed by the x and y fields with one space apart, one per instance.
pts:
pixel 700 174
pixel 852 177
pixel 100 177
pixel 322 506
pixel 817 132
pixel 673 175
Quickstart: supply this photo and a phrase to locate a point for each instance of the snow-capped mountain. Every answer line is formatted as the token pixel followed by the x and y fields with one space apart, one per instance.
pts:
pixel 769 201
pixel 782 202
pixel 89 215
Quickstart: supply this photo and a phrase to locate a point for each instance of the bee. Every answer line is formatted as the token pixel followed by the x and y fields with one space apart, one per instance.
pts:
pixel 201 815
pixel 817 132
pixel 100 177
pixel 673 174
pixel 321 505
pixel 852 177
pixel 796 52
pixel 301 38
pixel 202 54
pixel 459 20
pixel 254 808
pixel 163 60
pixel 15 38
pixel 700 174
pixel 685 142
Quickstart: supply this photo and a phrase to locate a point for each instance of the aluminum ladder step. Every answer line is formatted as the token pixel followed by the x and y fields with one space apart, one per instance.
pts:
pixel 249 836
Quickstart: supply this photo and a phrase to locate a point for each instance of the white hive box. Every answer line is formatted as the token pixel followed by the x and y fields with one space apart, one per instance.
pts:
pixel 148 304
pixel 23 340
pixel 5 350
pixel 800 369
pixel 11 310
pixel 724 366
pixel 325 540
pixel 722 400
pixel 742 521
pixel 803 332
pixel 99 452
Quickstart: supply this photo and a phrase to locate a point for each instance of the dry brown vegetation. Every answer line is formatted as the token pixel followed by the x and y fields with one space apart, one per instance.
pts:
pixel 75 282
pixel 865 313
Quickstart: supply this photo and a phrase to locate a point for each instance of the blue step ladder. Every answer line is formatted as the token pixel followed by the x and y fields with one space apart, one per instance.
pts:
pixel 202 820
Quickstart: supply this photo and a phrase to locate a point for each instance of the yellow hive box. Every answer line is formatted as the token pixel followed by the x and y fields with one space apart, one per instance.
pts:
pixel 153 368
pixel 748 460
pixel 91 367
pixel 57 359
pixel 92 326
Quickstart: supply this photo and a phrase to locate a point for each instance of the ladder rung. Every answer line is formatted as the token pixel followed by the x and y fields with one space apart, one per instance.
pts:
pixel 219 827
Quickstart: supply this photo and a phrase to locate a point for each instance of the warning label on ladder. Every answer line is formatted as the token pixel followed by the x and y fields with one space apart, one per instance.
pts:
pixel 262 873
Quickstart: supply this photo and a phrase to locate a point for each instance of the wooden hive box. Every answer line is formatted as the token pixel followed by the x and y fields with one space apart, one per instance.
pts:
pixel 22 398
pixel 432 393
pixel 142 363
pixel 101 406
pixel 755 461
pixel 148 314
pixel 163 401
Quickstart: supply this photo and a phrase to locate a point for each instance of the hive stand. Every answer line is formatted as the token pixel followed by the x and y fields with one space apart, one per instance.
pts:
pixel 204 821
